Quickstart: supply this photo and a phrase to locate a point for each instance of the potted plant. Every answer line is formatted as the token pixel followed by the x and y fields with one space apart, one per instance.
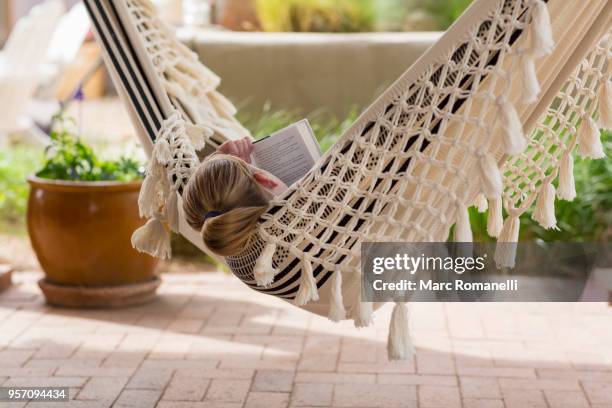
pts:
pixel 81 214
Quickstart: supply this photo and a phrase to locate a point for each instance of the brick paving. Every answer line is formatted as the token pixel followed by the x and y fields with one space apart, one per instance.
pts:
pixel 209 342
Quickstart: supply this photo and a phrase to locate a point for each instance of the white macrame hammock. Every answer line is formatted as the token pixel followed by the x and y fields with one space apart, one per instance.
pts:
pixel 489 116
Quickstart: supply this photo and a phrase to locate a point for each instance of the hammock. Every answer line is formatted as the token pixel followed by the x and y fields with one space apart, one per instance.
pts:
pixel 489 116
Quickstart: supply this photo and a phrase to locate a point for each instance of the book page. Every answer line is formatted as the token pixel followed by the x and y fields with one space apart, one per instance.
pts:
pixel 288 154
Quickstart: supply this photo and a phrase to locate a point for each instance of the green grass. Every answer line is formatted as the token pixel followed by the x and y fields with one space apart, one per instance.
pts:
pixel 16 164
pixel 327 128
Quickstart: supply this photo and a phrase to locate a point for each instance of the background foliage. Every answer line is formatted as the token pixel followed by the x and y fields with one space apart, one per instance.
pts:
pixel 69 158
pixel 317 15
pixel 358 15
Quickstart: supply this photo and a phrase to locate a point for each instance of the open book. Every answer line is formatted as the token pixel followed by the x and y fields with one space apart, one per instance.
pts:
pixel 289 153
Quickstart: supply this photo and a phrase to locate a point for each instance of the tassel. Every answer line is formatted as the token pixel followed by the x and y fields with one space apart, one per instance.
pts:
pixel 198 134
pixel 513 136
pixel 147 198
pixel 505 251
pixel 308 285
pixel 399 346
pixel 544 212
pixel 605 104
pixel 363 316
pixel 263 271
pixel 542 42
pixel 463 229
pixel 495 219
pixel 567 187
pixel 530 83
pixel 491 178
pixel 172 212
pixel 481 203
pixel 589 143
pixel 162 151
pixel 337 312
pixel 153 239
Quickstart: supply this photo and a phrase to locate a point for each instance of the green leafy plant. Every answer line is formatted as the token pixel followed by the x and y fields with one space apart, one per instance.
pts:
pixel 317 15
pixel 443 13
pixel 16 164
pixel 69 158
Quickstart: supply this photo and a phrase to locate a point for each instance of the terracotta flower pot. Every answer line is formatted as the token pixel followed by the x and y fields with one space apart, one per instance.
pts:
pixel 81 233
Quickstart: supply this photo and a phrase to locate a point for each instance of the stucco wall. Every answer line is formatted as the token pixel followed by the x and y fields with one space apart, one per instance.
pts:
pixel 306 72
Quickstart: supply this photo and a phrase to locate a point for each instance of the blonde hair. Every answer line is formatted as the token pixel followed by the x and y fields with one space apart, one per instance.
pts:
pixel 227 185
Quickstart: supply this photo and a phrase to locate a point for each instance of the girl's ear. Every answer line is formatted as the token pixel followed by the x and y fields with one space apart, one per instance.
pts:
pixel 265 180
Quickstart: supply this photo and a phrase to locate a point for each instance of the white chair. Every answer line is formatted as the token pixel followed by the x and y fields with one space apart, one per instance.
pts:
pixel 65 45
pixel 20 66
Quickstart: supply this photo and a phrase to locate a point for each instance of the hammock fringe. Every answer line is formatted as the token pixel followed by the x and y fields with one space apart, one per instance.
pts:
pixel 605 104
pixel 567 186
pixel 337 312
pixel 153 239
pixel 363 316
pixel 308 285
pixel 481 203
pixel 513 136
pixel 505 251
pixel 495 219
pixel 463 229
pixel 171 212
pixel 589 142
pixel 544 212
pixel 399 344
pixel 530 82
pixel 492 183
pixel 542 41
pixel 264 271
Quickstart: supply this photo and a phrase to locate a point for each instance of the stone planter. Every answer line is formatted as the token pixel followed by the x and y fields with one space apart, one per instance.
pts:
pixel 81 233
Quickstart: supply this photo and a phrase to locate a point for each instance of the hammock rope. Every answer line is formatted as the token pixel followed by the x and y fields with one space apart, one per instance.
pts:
pixel 474 122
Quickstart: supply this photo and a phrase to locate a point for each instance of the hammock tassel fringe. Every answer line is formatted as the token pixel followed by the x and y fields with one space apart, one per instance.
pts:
pixel 153 239
pixel 567 186
pixel 589 142
pixel 605 104
pixel 544 212
pixel 399 344
pixel 495 219
pixel 463 229
pixel 513 136
pixel 337 312
pixel 542 41
pixel 264 271
pixel 505 251
pixel 308 285
pixel 530 82
pixel 363 317
pixel 481 203
pixel 491 177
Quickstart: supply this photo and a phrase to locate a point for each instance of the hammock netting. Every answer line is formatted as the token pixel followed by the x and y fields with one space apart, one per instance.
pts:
pixel 489 116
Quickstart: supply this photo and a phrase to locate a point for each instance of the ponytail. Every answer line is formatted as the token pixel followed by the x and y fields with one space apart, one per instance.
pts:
pixel 224 184
pixel 229 233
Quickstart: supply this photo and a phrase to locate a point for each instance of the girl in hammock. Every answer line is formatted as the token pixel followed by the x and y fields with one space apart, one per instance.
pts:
pixel 226 196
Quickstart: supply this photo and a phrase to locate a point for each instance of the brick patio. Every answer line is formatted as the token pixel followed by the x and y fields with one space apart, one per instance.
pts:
pixel 209 342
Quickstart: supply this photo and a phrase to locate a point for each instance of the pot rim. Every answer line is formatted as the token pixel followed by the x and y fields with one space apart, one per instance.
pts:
pixel 75 186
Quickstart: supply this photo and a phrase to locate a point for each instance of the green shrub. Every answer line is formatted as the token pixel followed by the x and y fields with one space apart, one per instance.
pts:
pixel 442 13
pixel 69 158
pixel 317 15
pixel 16 164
